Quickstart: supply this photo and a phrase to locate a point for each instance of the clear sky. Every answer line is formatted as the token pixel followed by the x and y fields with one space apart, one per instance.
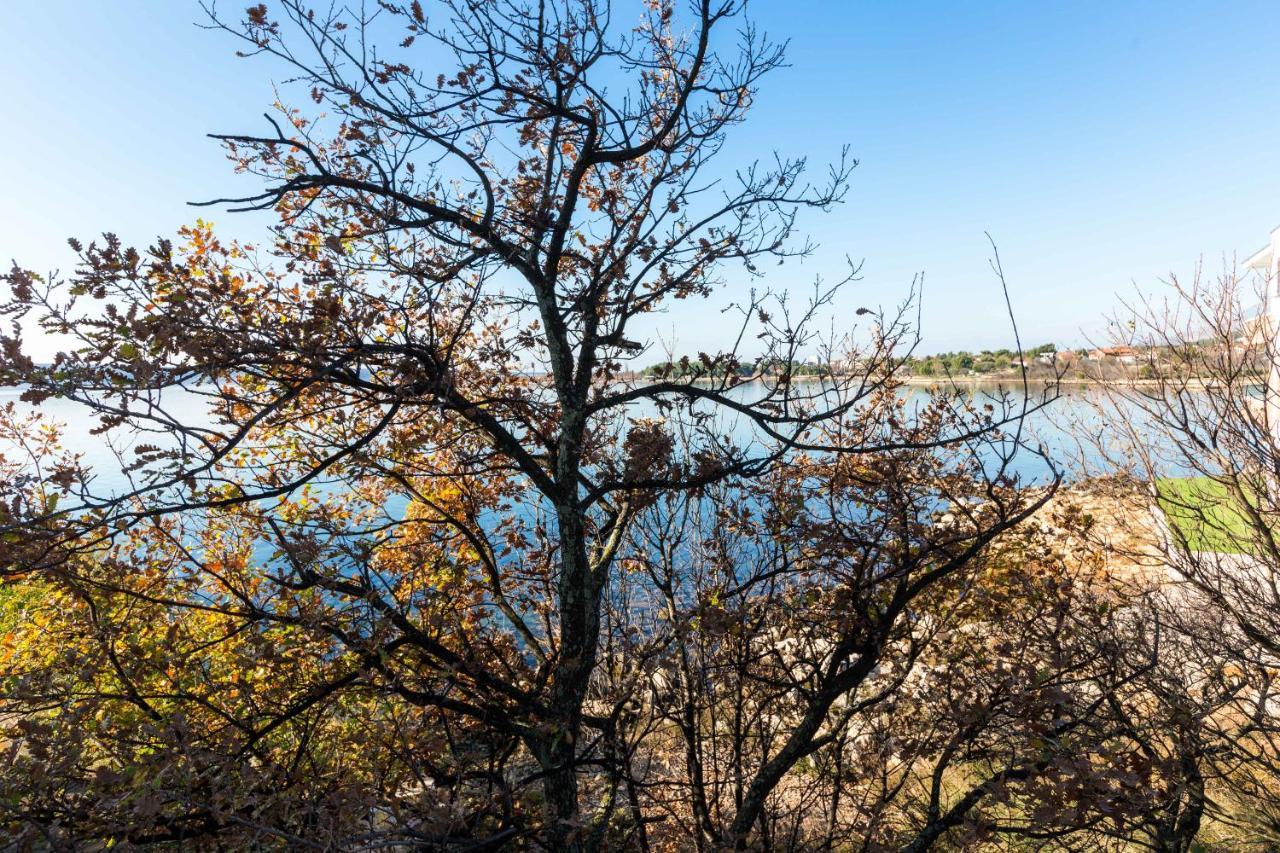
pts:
pixel 1103 145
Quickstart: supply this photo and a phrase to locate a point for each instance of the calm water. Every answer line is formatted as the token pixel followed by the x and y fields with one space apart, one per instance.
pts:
pixel 1064 428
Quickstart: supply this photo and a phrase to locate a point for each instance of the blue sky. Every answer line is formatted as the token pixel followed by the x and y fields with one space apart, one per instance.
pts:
pixel 1103 145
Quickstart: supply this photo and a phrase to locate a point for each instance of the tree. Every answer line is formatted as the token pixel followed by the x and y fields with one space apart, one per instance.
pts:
pixel 410 516
pixel 1201 437
pixel 984 714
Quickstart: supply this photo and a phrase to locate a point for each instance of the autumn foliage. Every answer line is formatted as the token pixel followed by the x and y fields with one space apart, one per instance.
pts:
pixel 421 561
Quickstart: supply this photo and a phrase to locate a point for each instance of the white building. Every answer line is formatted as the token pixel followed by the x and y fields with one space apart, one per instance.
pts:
pixel 1266 262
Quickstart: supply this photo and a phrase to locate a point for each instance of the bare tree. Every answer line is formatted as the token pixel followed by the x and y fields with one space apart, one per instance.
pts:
pixel 1200 440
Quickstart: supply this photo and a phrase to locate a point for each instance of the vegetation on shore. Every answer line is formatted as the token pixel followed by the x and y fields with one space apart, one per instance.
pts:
pixel 1043 362
pixel 983 362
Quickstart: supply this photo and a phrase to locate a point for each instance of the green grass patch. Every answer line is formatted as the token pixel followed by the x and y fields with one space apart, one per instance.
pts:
pixel 1205 514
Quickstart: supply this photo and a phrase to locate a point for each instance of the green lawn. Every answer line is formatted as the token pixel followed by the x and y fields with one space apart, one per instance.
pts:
pixel 1203 512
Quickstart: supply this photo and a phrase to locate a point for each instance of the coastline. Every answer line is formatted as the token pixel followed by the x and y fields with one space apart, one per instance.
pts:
pixel 1008 380
pixel 981 380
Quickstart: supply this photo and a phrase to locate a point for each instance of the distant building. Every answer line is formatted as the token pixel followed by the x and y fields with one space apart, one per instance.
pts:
pixel 1121 354
pixel 1061 358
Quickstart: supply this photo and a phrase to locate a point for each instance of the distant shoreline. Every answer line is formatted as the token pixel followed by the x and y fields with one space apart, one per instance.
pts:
pixel 979 380
pixel 1006 380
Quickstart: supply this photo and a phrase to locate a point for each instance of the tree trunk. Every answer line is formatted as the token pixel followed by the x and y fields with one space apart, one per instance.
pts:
pixel 578 592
